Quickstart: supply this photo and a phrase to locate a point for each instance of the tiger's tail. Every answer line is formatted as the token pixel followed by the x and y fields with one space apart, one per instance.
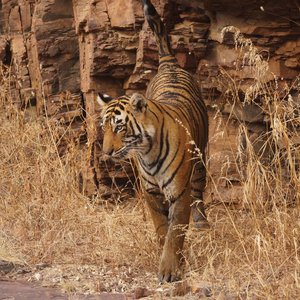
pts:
pixel 159 30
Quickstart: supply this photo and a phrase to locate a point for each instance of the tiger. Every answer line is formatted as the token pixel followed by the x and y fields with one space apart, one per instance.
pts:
pixel 158 131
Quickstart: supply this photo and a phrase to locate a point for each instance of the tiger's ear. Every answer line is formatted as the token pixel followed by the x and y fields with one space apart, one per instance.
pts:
pixel 138 102
pixel 103 99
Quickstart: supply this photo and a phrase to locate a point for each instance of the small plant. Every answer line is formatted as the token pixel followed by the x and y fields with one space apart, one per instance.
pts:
pixel 270 168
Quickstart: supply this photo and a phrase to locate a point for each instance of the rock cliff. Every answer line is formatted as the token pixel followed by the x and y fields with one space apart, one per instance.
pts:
pixel 62 51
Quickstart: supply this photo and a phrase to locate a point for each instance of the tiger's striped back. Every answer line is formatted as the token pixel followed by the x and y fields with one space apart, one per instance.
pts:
pixel 174 86
pixel 178 90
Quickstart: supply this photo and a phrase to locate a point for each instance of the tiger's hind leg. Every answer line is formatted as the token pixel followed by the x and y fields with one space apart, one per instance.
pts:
pixel 197 187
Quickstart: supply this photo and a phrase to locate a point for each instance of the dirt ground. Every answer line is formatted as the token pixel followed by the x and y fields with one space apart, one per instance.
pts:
pixel 18 282
pixel 21 290
pixel 15 285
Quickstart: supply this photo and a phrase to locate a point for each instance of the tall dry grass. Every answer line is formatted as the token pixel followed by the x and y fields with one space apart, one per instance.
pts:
pixel 43 217
pixel 250 252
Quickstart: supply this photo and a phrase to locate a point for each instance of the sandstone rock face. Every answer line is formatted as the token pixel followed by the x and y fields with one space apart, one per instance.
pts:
pixel 63 51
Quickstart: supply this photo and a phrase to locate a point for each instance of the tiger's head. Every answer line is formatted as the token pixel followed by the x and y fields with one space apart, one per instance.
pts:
pixel 127 125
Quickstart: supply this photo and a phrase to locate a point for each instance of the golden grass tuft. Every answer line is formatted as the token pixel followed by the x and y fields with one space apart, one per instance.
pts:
pixel 48 221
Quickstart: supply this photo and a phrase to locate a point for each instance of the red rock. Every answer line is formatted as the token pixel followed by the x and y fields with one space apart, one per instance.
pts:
pixel 120 13
pixel 83 46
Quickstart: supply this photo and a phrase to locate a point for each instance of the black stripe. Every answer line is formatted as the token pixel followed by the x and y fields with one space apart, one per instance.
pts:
pixel 148 181
pixel 174 173
pixel 162 109
pixel 161 145
pixel 162 160
pixel 171 60
pixel 154 192
pixel 149 139
pixel 154 114
pixel 109 110
pixel 173 199
pixel 157 106
pixel 189 105
pixel 173 158
pixel 131 127
pixel 144 167
pixel 137 125
pixel 177 111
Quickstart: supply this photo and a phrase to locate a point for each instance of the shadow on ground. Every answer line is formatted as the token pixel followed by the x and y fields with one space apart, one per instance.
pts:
pixel 18 290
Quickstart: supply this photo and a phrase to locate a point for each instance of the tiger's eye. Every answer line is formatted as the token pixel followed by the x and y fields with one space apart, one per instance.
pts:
pixel 102 126
pixel 118 128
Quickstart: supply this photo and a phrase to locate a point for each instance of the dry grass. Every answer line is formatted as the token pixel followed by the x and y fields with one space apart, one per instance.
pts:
pixel 249 253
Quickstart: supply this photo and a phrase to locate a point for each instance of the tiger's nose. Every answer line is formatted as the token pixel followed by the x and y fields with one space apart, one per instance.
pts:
pixel 107 154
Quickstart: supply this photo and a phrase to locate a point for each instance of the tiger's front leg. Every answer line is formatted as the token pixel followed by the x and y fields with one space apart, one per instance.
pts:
pixel 171 259
pixel 158 209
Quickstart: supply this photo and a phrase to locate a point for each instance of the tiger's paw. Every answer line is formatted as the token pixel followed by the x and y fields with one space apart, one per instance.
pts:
pixel 202 225
pixel 169 269
pixel 199 220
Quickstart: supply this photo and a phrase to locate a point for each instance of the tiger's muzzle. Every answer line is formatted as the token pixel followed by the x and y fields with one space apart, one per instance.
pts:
pixel 115 154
